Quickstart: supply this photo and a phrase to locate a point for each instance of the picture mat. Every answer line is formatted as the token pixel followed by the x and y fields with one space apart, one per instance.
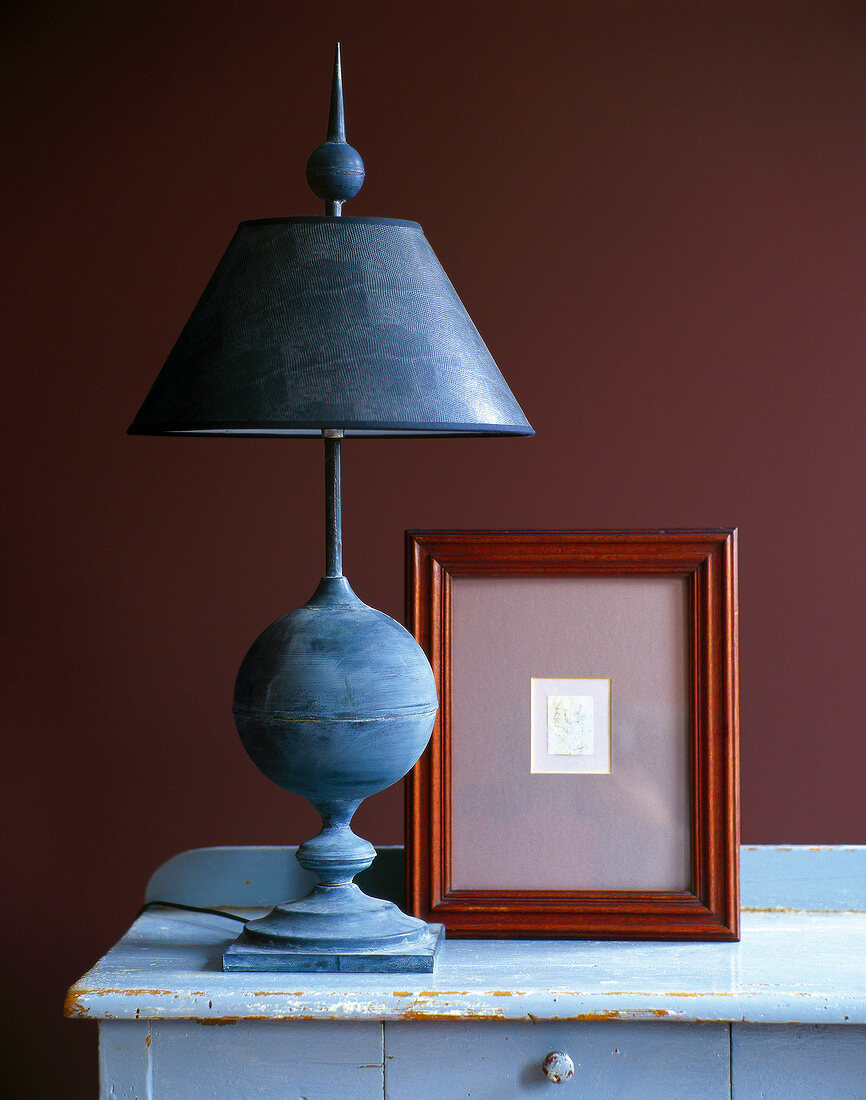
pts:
pixel 513 830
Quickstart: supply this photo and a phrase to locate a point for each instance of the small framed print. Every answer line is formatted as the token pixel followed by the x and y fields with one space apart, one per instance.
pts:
pixel 569 728
pixel 582 776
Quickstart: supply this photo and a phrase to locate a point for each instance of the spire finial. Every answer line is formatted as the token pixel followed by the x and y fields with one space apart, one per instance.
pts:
pixel 335 171
pixel 337 121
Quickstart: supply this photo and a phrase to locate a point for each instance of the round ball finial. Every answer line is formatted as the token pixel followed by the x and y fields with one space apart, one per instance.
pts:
pixel 335 171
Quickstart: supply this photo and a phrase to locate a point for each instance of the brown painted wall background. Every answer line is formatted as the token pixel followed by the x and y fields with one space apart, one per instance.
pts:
pixel 655 214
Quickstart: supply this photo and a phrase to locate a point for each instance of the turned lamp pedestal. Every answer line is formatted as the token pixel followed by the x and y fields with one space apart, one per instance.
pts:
pixel 335 702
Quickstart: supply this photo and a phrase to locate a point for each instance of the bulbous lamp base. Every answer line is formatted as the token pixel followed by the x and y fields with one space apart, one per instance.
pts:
pixel 335 701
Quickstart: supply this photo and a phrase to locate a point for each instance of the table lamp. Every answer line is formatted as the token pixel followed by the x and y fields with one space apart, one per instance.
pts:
pixel 332 326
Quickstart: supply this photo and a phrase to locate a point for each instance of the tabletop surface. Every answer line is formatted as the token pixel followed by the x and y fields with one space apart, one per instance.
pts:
pixel 801 957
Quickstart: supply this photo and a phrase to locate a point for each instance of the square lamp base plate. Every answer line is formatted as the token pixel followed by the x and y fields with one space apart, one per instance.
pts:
pixel 419 959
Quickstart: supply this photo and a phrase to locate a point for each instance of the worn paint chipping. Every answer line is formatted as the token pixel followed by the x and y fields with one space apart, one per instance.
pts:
pixel 789 910
pixel 433 1005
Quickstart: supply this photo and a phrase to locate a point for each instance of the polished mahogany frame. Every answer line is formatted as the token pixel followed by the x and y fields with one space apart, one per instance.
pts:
pixel 708 561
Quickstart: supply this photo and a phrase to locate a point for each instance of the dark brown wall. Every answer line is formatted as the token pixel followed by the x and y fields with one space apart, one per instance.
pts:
pixel 656 215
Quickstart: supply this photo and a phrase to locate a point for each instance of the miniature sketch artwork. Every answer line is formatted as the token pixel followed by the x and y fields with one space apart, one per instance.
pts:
pixel 570 728
pixel 570 725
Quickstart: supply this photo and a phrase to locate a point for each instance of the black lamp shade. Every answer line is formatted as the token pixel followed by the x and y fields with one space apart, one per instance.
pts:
pixel 327 322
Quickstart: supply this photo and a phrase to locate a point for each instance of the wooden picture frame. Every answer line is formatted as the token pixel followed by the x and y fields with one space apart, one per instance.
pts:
pixel 708 907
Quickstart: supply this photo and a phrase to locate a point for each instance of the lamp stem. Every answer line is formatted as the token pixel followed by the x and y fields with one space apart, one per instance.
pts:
pixel 333 508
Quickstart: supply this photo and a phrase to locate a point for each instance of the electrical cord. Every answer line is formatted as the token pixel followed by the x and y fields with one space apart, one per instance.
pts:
pixel 189 908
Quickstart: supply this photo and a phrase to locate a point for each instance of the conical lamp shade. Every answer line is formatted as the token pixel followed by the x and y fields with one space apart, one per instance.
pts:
pixel 343 323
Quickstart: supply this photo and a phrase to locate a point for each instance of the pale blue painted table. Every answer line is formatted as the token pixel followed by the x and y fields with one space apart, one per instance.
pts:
pixel 780 1014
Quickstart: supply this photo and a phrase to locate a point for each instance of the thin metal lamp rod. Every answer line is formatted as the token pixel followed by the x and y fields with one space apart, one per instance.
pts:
pixel 336 126
pixel 333 506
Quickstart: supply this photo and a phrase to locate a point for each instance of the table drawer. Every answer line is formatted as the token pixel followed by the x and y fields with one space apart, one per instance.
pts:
pixel 786 1062
pixel 261 1059
pixel 489 1061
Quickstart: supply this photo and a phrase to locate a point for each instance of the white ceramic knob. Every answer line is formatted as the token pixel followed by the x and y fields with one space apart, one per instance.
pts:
pixel 558 1067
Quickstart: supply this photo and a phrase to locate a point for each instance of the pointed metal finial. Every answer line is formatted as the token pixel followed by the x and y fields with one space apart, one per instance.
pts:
pixel 335 171
pixel 337 121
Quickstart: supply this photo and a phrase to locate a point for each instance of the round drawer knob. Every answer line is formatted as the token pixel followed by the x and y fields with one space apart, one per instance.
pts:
pixel 558 1067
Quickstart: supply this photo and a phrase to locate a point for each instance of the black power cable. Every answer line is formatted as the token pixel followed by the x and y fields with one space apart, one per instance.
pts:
pixel 189 908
